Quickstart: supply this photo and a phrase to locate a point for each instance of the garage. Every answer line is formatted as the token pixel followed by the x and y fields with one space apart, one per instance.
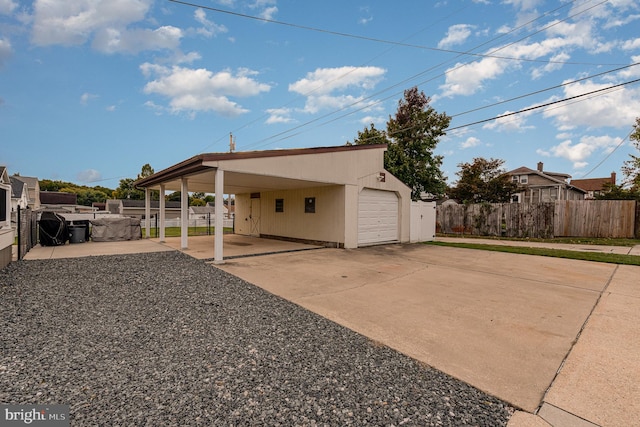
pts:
pixel 377 217
pixel 333 196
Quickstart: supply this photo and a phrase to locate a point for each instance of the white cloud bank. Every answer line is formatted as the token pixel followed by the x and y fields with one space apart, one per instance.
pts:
pixel 198 90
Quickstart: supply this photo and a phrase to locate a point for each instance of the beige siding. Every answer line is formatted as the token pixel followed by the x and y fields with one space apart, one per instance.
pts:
pixel 327 224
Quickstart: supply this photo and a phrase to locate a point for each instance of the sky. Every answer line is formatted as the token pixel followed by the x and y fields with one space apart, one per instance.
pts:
pixel 91 90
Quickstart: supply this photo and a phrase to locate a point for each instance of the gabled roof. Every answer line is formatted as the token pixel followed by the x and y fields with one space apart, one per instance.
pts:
pixel 31 181
pixel 523 170
pixel 556 177
pixel 278 169
pixel 591 184
pixel 18 187
pixel 4 175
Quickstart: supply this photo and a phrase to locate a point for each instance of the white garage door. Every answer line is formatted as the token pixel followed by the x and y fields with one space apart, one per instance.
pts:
pixel 377 217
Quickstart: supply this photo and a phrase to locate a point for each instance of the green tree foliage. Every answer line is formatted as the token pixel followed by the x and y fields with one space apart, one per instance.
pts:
pixel 617 192
pixel 412 135
pixel 126 190
pixel 86 195
pixel 631 168
pixel 370 136
pixel 483 181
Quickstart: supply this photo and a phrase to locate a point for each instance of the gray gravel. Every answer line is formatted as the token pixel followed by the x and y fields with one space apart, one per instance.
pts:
pixel 163 339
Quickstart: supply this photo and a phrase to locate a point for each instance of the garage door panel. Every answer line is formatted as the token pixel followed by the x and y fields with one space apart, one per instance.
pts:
pixel 377 217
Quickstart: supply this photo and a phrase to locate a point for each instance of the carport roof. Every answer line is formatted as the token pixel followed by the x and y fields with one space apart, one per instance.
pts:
pixel 201 174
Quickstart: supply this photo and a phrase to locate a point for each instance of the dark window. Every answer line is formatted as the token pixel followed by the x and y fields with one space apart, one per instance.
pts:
pixel 255 195
pixel 3 204
pixel 279 205
pixel 309 205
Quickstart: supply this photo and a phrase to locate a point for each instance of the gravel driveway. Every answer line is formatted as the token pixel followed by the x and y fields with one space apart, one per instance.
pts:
pixel 163 339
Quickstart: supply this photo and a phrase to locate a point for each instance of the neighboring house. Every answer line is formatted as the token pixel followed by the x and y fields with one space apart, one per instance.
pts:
pixel 19 194
pixel 33 190
pixel 6 232
pixel 204 212
pixel 594 186
pixel 542 186
pixel 135 208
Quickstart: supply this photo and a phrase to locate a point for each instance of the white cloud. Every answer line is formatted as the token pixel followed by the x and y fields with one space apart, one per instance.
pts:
pixel 376 120
pixel 267 8
pixel 89 175
pixel 456 35
pixel 580 152
pixel 111 108
pixel 73 22
pixel 467 79
pixel 5 51
pixel 513 123
pixel 111 40
pixel 105 22
pixel 324 87
pixel 617 108
pixel 279 115
pixel 471 142
pixel 7 6
pixel 631 44
pixel 86 97
pixel 209 28
pixel 551 66
pixel 194 90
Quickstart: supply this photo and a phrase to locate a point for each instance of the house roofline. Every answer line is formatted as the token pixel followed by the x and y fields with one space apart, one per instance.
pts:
pixel 197 163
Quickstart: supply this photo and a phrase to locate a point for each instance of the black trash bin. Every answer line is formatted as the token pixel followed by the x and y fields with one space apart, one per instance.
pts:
pixel 77 234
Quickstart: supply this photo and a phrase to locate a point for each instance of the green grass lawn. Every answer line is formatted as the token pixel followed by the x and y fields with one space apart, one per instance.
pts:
pixel 192 231
pixel 557 253
pixel 570 240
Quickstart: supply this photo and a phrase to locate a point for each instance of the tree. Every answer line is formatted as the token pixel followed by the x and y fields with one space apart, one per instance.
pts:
pixel 126 189
pixel 370 136
pixel 412 135
pixel 483 181
pixel 631 168
pixel 617 192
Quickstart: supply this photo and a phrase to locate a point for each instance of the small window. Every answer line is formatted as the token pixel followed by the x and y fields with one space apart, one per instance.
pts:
pixel 515 178
pixel 524 179
pixel 279 205
pixel 309 205
pixel 5 203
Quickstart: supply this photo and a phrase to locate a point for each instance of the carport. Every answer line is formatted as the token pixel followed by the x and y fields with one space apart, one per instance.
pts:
pixel 335 196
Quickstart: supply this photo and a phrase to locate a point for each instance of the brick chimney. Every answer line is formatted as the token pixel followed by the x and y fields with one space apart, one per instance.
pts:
pixel 613 178
pixel 540 166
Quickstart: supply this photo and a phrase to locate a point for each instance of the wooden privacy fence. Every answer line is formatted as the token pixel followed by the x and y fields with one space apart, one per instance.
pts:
pixel 562 218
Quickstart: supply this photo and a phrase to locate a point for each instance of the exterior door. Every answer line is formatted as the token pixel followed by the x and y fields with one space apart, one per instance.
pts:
pixel 254 217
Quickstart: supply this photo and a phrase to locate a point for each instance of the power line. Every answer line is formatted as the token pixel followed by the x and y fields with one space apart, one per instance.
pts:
pixel 421 73
pixel 544 105
pixel 376 40
pixel 544 90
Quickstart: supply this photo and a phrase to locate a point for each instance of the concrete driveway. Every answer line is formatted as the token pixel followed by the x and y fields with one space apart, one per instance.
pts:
pixel 504 323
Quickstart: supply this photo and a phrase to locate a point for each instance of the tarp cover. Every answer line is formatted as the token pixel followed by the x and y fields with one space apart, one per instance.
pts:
pixel 115 229
pixel 53 229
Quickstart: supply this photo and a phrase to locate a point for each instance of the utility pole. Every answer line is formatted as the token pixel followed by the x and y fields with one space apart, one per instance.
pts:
pixel 232 143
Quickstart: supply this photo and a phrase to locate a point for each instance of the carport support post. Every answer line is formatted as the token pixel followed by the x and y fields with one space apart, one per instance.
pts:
pixel 219 218
pixel 162 213
pixel 184 214
pixel 147 212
